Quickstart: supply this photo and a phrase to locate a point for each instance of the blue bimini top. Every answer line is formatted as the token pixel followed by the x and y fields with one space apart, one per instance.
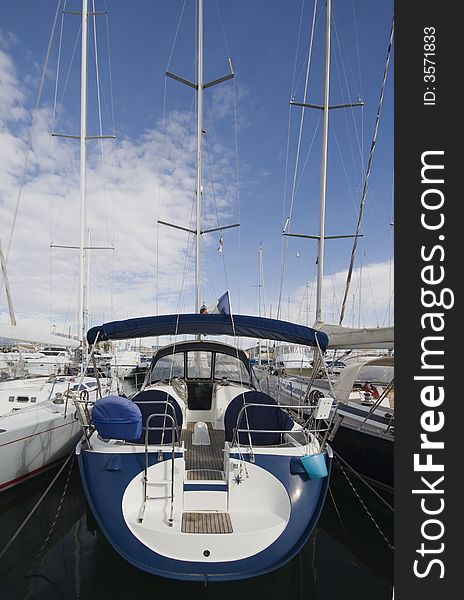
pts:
pixel 206 324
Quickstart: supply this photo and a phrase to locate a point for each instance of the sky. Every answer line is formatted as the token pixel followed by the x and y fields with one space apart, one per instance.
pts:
pixel 147 172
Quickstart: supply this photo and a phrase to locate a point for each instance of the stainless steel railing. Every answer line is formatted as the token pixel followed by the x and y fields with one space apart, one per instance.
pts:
pixel 247 430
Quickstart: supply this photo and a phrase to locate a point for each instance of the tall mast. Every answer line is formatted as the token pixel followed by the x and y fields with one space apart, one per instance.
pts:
pixel 325 107
pixel 199 86
pixel 199 152
pixel 323 177
pixel 83 159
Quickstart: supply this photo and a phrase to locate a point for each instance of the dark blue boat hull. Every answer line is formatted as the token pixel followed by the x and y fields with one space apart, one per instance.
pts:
pixel 105 477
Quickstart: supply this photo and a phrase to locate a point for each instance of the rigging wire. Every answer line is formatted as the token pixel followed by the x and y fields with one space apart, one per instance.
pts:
pixel 237 178
pixel 316 129
pixel 187 253
pixel 237 183
pixel 71 61
pixel 287 151
pixel 100 121
pixel 208 157
pixel 31 132
pixel 160 202
pixel 58 64
pixel 345 171
pixel 292 94
pixel 113 164
pixel 175 35
pixel 390 262
pixel 300 134
pixel 351 110
pixel 110 234
pixel 372 294
pixel 55 104
pixel 361 94
pixel 110 71
pixel 50 220
pixel 366 180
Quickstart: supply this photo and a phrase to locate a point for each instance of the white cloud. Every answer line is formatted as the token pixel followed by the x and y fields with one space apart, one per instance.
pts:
pixel 10 96
pixel 140 181
pixel 369 301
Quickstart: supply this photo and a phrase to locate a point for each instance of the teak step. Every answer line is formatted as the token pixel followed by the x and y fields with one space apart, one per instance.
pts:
pixel 206 522
pixel 205 474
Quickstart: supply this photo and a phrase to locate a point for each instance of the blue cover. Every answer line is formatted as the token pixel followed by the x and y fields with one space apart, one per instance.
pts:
pixel 255 417
pixel 235 325
pixel 117 418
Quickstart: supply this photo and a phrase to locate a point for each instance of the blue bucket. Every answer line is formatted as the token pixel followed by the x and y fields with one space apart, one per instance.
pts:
pixel 314 465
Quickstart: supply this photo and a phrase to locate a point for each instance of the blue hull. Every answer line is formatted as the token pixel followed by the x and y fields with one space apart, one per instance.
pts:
pixel 105 478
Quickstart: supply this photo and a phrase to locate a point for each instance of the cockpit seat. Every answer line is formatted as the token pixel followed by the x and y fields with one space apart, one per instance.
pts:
pixel 262 418
pixel 160 404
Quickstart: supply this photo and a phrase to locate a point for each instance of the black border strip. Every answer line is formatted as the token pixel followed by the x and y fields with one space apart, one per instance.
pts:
pixel 428 127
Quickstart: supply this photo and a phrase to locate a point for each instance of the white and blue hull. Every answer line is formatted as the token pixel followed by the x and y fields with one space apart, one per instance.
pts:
pixel 272 510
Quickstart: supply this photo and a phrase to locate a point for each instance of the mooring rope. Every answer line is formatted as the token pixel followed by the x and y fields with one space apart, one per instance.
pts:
pixel 336 509
pixel 35 507
pixel 369 514
pixel 58 510
pixel 363 480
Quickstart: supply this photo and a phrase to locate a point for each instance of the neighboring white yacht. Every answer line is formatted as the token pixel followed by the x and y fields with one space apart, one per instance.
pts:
pixel 291 359
pixel 13 362
pixel 38 423
pixel 124 363
pixel 364 419
pixel 50 361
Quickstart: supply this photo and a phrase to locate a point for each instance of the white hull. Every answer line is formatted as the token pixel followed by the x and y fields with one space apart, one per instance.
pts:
pixel 33 439
pixel 38 424
pixel 19 394
pixel 47 366
pixel 125 363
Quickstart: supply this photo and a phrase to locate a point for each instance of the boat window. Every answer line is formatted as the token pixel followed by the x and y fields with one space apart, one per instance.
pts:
pixel 199 365
pixel 230 367
pixel 22 399
pixel 168 366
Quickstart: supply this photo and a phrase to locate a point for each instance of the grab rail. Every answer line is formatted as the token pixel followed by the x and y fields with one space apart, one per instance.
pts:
pixel 174 430
pixel 306 430
pixel 167 403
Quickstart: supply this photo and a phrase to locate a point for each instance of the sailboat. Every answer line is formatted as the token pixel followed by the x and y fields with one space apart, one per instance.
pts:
pixel 201 476
pixel 364 428
pixel 39 424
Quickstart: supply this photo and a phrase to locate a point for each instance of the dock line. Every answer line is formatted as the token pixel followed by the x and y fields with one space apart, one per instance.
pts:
pixel 363 480
pixel 36 506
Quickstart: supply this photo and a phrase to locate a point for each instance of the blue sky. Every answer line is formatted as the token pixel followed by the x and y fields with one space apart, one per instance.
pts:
pixel 149 172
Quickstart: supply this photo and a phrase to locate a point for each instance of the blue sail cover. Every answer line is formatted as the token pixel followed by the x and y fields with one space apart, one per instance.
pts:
pixel 207 324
